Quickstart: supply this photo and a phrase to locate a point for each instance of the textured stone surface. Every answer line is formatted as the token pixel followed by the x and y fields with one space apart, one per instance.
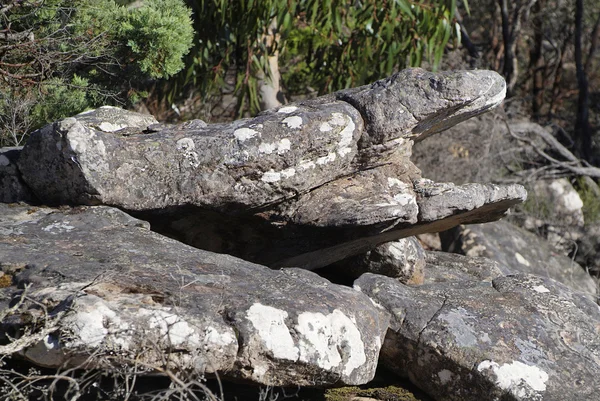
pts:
pixel 452 267
pixel 314 175
pixel 12 187
pixel 403 260
pixel 125 292
pixel 518 251
pixel 563 199
pixel 519 337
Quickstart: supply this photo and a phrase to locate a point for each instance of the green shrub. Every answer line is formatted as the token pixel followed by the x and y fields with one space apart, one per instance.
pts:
pixel 63 56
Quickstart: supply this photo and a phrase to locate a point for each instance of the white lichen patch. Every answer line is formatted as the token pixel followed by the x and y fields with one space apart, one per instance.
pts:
pixel 325 127
pixel 280 147
pixel 267 147
pixel 326 159
pixel 330 340
pixel 243 134
pixel 293 122
pixel 271 176
pixel 516 377
pixel 91 152
pixel 337 119
pixel 287 109
pixel 445 376
pixel 541 289
pixel 392 182
pixel 521 259
pixel 218 340
pixel 93 322
pixel 405 199
pixel 346 138
pixel 106 126
pixel 58 228
pixel 269 323
pixel 458 324
pixel 170 327
pixel 306 164
pixel 185 144
pixel 284 145
pixel 288 172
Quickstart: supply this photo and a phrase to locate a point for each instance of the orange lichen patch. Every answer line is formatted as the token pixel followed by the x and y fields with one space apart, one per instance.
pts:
pixel 5 280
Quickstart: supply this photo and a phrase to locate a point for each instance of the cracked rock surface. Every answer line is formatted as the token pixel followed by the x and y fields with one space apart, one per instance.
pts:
pixel 520 337
pixel 113 287
pixel 519 251
pixel 314 176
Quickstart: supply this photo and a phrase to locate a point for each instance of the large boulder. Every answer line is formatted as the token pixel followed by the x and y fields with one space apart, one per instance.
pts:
pixel 12 187
pixel 327 178
pixel 519 337
pixel 94 284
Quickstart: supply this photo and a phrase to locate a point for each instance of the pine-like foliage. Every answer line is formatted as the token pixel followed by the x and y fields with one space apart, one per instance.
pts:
pixel 59 57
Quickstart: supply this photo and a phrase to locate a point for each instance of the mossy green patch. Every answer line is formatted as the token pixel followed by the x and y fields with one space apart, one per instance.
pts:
pixel 389 393
pixel 5 281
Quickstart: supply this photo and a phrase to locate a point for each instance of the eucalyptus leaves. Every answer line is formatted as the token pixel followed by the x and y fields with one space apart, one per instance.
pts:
pixel 323 44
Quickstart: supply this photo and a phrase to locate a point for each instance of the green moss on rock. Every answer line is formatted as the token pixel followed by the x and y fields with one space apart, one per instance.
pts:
pixel 390 393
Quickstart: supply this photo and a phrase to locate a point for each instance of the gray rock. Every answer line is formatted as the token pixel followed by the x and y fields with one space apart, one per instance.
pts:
pixel 451 267
pixel 326 179
pixel 490 203
pixel 403 260
pixel 562 199
pixel 115 291
pixel 12 187
pixel 419 103
pixel 521 337
pixel 518 251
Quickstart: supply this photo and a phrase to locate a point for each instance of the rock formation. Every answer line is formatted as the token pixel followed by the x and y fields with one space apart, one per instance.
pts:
pixel 323 183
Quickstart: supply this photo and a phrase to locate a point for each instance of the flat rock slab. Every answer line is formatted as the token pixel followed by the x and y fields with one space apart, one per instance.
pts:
pixel 318 173
pixel 252 162
pixel 116 290
pixel 518 251
pixel 519 337
pixel 451 267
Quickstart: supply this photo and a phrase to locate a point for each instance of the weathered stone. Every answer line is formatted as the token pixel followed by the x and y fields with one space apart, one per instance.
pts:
pixel 326 179
pixel 497 201
pixel 403 260
pixel 12 187
pixel 451 267
pixel 518 251
pixel 562 199
pixel 117 291
pixel 419 103
pixel 521 337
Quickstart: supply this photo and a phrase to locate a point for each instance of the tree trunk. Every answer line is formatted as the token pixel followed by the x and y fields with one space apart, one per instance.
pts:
pixel 511 30
pixel 582 125
pixel 269 88
pixel 536 61
pixel 466 40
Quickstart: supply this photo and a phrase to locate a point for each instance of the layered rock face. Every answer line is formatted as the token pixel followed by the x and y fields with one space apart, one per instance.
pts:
pixel 324 183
